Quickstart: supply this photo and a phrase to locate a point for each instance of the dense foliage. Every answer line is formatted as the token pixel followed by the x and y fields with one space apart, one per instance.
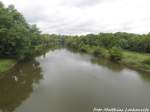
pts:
pixel 18 39
pixel 115 54
pixel 127 41
pixel 147 61
pixel 109 45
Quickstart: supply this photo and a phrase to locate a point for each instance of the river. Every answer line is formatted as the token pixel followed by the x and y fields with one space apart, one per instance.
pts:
pixel 65 81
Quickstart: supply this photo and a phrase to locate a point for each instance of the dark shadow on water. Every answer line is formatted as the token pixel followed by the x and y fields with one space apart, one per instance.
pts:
pixel 119 67
pixel 17 84
pixel 145 76
pixel 108 64
pixel 101 61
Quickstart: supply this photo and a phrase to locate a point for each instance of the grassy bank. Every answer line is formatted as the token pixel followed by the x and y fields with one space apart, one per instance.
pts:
pixel 131 59
pixel 6 64
pixel 136 60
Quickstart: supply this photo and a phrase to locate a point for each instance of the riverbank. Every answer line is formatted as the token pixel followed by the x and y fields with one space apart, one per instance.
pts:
pixel 6 64
pixel 131 59
pixel 136 60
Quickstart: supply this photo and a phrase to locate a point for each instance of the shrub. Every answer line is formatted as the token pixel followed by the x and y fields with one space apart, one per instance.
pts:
pixel 97 51
pixel 84 48
pixel 115 54
pixel 147 61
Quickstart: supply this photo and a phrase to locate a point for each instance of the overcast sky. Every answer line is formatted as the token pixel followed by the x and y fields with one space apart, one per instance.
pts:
pixel 86 16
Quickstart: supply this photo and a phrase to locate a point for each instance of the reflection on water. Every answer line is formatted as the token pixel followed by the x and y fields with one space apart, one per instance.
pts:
pixel 17 85
pixel 108 64
pixel 64 81
pixel 118 67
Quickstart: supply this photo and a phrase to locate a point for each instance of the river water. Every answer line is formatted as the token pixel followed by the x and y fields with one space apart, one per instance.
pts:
pixel 64 81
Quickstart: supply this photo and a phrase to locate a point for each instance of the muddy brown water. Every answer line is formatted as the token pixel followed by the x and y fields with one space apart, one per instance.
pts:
pixel 63 81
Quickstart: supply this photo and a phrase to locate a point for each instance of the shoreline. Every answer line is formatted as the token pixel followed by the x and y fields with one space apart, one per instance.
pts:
pixel 130 59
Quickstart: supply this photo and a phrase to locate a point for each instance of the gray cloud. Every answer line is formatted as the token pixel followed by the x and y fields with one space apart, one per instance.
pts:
pixel 83 3
pixel 86 16
pixel 80 3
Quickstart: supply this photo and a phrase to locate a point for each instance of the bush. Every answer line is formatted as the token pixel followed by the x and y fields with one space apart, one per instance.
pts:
pixel 97 51
pixel 115 54
pixel 84 48
pixel 147 61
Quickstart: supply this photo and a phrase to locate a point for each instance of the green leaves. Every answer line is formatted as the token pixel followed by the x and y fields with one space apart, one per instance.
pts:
pixel 115 54
pixel 18 39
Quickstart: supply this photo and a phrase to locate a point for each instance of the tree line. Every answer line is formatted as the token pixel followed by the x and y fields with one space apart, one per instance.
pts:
pixel 122 40
pixel 110 45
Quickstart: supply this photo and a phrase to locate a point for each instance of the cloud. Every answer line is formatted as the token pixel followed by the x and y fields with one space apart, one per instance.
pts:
pixel 83 3
pixel 80 3
pixel 86 16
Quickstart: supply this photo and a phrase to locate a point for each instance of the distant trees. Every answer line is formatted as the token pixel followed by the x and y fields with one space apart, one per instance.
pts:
pixel 127 41
pixel 109 45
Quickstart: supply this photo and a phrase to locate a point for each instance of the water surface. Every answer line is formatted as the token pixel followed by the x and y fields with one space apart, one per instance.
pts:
pixel 63 81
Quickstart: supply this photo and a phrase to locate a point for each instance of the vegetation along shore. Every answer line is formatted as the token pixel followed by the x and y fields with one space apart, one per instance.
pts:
pixel 20 41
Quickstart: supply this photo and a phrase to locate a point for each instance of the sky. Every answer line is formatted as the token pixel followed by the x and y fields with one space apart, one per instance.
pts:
pixel 75 17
